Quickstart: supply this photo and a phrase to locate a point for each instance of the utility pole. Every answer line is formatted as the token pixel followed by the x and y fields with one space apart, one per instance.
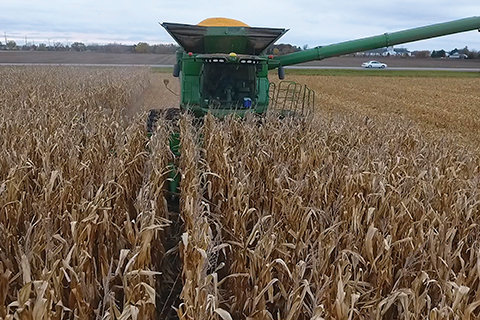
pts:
pixel 5 37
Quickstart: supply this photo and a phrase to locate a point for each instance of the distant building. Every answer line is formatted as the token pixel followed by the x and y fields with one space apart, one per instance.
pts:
pixel 403 52
pixel 385 52
pixel 457 55
pixel 389 51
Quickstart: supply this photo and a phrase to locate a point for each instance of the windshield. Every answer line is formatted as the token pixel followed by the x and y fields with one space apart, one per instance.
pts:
pixel 228 85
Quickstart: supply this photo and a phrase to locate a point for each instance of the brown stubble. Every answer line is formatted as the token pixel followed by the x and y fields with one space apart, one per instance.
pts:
pixel 367 210
pixel 337 218
pixel 76 238
pixel 445 105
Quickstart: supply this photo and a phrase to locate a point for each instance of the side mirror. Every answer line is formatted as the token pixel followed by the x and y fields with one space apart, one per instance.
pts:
pixel 176 70
pixel 281 73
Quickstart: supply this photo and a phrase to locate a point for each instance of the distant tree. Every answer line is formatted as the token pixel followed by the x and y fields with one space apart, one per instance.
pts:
pixel 473 54
pixel 11 45
pixel 78 46
pixel 283 48
pixel 421 54
pixel 93 47
pixel 58 46
pixel 163 48
pixel 27 47
pixel 305 47
pixel 438 54
pixel 117 48
pixel 142 47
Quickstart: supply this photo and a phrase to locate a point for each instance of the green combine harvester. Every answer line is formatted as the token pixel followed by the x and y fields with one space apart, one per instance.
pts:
pixel 223 70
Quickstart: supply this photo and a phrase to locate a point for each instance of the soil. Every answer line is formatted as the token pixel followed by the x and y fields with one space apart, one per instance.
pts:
pixel 85 58
pixel 162 59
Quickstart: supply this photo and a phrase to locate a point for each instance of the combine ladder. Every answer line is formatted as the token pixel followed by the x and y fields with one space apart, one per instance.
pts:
pixel 290 98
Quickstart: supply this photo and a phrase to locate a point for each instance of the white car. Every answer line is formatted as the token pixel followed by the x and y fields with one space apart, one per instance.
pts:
pixel 374 64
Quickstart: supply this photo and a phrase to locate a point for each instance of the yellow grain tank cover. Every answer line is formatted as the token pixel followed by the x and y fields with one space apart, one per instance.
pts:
pixel 222 22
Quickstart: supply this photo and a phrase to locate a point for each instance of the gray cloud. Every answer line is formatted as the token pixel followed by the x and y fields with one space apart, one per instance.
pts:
pixel 310 21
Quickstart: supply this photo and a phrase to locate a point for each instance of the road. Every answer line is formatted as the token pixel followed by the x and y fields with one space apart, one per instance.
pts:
pixel 389 68
pixel 94 59
pixel 290 67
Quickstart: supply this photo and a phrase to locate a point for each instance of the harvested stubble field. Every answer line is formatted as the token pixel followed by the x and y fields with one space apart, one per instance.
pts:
pixel 368 210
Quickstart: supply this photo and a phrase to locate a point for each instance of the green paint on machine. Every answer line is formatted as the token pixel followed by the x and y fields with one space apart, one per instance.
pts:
pixel 224 69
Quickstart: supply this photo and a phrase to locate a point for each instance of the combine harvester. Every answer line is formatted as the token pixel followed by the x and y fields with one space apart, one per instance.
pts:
pixel 223 70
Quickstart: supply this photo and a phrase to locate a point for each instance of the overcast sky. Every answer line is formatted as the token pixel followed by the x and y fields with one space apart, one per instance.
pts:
pixel 311 22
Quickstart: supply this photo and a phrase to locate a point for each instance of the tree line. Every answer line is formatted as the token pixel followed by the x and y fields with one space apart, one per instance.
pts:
pixel 464 53
pixel 141 47
pixel 144 47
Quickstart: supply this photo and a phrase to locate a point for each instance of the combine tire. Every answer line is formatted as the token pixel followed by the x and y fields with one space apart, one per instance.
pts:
pixel 170 114
pixel 152 120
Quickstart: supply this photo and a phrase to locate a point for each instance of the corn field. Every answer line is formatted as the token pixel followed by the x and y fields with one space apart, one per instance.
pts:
pixel 351 214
